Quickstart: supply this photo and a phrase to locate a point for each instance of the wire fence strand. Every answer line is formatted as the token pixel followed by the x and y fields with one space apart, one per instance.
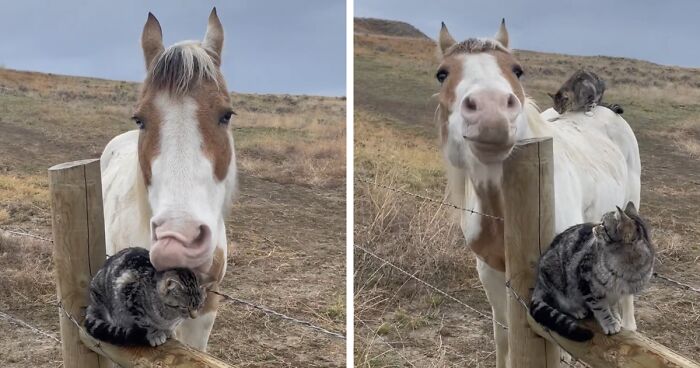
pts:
pixel 677 283
pixel 283 316
pixel 424 198
pixel 432 287
pixel 17 321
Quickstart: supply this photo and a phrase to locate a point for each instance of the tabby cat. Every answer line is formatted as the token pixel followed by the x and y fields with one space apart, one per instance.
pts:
pixel 582 92
pixel 133 304
pixel 588 268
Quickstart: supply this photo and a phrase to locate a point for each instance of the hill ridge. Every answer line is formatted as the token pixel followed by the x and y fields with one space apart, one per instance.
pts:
pixel 387 27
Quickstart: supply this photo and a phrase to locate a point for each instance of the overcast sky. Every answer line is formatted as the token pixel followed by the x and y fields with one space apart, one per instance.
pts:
pixel 271 46
pixel 665 32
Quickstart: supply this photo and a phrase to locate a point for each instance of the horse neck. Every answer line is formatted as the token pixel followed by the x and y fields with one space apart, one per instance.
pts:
pixel 480 187
pixel 485 181
pixel 141 194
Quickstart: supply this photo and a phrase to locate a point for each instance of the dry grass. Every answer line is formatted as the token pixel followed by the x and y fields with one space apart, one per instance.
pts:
pixel 27 270
pixel 294 147
pixel 23 199
pixel 685 134
pixel 391 310
pixel 401 323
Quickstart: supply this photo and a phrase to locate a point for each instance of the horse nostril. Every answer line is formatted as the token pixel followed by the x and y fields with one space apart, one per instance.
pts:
pixel 512 101
pixel 470 104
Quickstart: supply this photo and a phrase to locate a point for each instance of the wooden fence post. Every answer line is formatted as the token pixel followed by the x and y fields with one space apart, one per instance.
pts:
pixel 79 249
pixel 528 191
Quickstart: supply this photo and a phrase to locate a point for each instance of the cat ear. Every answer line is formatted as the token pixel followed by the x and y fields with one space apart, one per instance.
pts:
pixel 171 284
pixel 627 227
pixel 445 40
pixel 630 209
pixel 551 95
pixel 620 213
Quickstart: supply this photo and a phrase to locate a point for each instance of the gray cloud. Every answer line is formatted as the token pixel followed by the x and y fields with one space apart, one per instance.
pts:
pixel 271 46
pixel 664 32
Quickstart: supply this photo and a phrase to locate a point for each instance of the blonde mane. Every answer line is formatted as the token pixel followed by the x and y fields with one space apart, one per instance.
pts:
pixel 183 66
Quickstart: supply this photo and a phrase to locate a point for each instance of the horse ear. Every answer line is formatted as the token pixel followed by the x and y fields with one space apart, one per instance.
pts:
pixel 502 34
pixel 151 40
pixel 445 40
pixel 214 38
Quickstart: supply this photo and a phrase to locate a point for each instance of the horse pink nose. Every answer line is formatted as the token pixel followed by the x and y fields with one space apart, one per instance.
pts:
pixel 488 114
pixel 181 242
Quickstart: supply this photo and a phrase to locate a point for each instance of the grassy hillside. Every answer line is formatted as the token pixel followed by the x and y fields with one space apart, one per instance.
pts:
pixel 396 144
pixel 286 230
pixel 387 28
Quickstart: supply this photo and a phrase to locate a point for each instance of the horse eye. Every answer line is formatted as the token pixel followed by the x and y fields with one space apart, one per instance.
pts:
pixel 441 75
pixel 518 71
pixel 226 118
pixel 139 122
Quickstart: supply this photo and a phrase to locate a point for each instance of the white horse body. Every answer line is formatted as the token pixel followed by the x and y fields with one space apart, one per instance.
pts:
pixel 483 110
pixel 596 167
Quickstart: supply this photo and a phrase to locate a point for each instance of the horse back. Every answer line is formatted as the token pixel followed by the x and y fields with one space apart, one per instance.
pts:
pixel 597 165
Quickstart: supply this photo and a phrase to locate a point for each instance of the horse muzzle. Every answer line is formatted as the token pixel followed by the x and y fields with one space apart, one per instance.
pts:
pixel 181 242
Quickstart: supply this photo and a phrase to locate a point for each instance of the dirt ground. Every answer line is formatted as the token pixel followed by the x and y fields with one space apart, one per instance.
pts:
pixel 401 323
pixel 287 226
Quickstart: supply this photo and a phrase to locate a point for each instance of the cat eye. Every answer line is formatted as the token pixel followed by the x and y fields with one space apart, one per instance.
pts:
pixel 139 122
pixel 226 117
pixel 518 71
pixel 441 75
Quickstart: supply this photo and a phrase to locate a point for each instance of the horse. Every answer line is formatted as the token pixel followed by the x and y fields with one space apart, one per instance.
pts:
pixel 482 111
pixel 167 185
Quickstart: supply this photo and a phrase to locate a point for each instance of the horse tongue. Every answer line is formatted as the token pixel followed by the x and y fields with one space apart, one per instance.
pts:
pixel 168 253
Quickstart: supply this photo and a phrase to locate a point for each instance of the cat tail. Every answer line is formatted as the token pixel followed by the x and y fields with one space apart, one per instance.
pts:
pixel 100 328
pixel 614 107
pixel 557 321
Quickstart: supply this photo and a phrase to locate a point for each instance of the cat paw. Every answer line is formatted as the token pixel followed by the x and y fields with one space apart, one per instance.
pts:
pixel 616 315
pixel 588 113
pixel 612 327
pixel 156 338
pixel 580 314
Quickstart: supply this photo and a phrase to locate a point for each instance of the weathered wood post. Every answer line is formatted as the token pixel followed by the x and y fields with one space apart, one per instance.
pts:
pixel 528 191
pixel 79 249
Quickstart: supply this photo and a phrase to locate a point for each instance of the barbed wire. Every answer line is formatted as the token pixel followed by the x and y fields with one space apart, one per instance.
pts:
pixel 677 283
pixel 24 324
pixel 26 234
pixel 428 199
pixel 434 288
pixel 283 316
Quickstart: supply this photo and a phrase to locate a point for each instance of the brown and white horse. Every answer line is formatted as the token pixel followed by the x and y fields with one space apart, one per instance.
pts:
pixel 483 110
pixel 168 184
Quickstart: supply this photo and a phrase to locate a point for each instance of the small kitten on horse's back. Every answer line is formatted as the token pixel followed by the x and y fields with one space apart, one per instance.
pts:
pixel 582 92
pixel 133 304
pixel 588 269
